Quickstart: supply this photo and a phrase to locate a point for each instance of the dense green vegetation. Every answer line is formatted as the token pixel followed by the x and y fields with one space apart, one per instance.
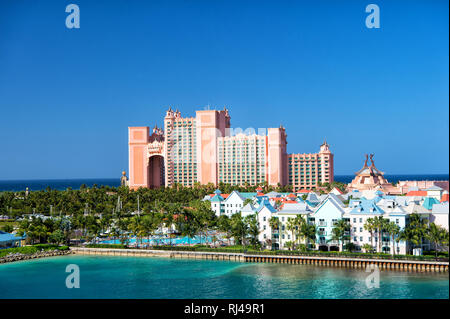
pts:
pixel 104 199
pixel 86 214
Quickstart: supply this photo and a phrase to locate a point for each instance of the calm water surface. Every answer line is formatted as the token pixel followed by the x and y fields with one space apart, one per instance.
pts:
pixel 134 277
pixel 62 184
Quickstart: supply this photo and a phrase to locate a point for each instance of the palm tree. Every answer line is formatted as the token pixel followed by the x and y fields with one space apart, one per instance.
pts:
pixel 379 224
pixel 239 228
pixel 367 248
pixel 252 227
pixel 308 232
pixel 291 226
pixel 369 225
pixel 223 225
pixel 134 227
pixel 414 232
pixel 274 224
pixel 115 233
pixel 436 235
pixel 393 230
pixel 289 245
pixel 340 231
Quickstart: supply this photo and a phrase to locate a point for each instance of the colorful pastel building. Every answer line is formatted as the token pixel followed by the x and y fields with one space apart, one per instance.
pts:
pixel 370 178
pixel 201 149
pixel 306 171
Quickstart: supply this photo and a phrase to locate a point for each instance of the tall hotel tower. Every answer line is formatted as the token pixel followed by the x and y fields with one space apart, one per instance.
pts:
pixel 201 149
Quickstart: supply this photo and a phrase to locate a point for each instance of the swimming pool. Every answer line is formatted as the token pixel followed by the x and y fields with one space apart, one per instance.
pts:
pixel 164 240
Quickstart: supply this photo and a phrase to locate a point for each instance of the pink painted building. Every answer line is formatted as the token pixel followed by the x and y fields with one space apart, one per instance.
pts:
pixel 404 186
pixel 201 149
pixel 307 170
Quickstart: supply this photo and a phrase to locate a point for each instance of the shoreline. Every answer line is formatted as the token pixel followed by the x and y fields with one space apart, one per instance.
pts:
pixel 42 254
pixel 346 262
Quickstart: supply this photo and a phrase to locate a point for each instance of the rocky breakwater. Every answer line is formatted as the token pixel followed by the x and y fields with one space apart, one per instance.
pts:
pixel 40 254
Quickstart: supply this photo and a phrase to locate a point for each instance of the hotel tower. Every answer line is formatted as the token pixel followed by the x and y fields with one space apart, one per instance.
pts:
pixel 201 149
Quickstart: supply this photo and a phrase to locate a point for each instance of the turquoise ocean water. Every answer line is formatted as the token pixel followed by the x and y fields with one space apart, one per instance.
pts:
pixel 141 277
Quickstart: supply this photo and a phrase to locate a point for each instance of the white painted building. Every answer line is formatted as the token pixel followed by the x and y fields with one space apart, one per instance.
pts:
pixel 439 214
pixel 324 217
pixel 435 192
pixel 233 203
pixel 288 212
pixel 264 212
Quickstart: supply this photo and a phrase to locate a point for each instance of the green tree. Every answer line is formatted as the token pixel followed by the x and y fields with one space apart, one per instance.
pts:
pixel 340 232
pixel 252 227
pixel 414 232
pixel 57 237
pixel 437 235
pixel 369 225
pixel 7 228
pixel 394 231
pixel 367 248
pixel 239 229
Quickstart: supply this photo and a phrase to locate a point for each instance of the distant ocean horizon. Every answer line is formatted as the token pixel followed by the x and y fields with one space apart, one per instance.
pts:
pixel 62 184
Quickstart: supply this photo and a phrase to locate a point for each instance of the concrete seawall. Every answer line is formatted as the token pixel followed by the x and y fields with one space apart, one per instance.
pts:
pixel 159 253
pixel 361 263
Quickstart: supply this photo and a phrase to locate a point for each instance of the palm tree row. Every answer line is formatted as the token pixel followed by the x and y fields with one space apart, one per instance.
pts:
pixel 104 199
pixel 416 233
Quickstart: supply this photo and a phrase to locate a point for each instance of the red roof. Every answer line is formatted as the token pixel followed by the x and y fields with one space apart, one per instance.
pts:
pixel 292 195
pixel 444 198
pixel 417 193
pixel 304 191
pixel 223 195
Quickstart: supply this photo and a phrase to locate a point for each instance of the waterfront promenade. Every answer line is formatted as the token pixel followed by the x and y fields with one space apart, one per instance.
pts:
pixel 347 262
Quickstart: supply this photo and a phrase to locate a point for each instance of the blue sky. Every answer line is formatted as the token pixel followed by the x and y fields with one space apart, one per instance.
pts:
pixel 67 96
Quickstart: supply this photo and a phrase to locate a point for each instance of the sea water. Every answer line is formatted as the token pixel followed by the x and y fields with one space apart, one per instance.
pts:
pixel 155 277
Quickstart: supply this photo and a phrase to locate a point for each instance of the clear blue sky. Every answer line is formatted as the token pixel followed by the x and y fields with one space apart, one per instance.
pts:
pixel 68 96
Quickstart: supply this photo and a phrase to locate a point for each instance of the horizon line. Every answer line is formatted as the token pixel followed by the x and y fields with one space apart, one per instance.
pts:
pixel 118 178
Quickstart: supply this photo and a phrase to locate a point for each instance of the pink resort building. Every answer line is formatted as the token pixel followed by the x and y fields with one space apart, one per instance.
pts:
pixel 201 149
